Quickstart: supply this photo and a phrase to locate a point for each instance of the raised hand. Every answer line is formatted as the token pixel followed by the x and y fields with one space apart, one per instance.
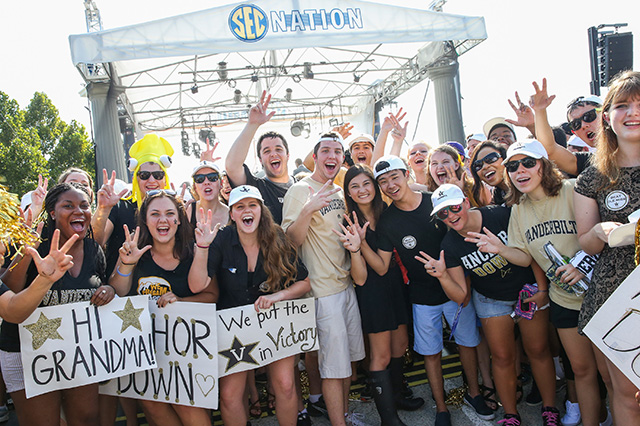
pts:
pixel 57 262
pixel 38 194
pixel 343 130
pixel 355 225
pixel 540 99
pixel 524 114
pixel 258 113
pixel 207 154
pixel 349 238
pixel 434 267
pixel 398 132
pixel 107 196
pixel 129 252
pixel 452 177
pixel 206 231
pixel 320 199
pixel 487 242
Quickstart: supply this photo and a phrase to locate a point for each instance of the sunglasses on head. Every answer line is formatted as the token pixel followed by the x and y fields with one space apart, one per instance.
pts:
pixel 161 191
pixel 527 162
pixel 211 177
pixel 587 117
pixel 489 159
pixel 157 175
pixel 444 213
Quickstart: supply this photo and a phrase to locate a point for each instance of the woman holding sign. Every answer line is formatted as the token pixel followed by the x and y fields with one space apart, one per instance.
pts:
pixel 68 210
pixel 155 261
pixel 253 262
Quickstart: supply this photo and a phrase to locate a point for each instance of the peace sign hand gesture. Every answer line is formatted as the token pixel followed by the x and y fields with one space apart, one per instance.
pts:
pixel 57 262
pixel 524 114
pixel 258 113
pixel 434 267
pixel 130 254
pixel 487 242
pixel 320 199
pixel 349 238
pixel 206 231
pixel 540 99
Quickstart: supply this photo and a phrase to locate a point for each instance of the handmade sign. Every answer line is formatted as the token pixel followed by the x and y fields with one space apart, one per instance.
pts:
pixel 614 327
pixel 186 356
pixel 76 344
pixel 248 339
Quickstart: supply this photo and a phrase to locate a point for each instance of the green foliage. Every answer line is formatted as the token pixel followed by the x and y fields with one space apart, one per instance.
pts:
pixel 36 141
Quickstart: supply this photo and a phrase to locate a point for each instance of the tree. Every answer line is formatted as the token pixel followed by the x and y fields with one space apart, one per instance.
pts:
pixel 37 141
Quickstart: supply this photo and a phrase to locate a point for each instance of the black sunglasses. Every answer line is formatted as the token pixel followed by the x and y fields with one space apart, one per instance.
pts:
pixel 527 162
pixel 144 175
pixel 444 213
pixel 161 191
pixel 489 159
pixel 587 117
pixel 211 177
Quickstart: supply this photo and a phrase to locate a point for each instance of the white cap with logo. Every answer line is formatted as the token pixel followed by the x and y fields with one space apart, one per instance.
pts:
pixel 531 148
pixel 386 164
pixel 244 191
pixel 446 195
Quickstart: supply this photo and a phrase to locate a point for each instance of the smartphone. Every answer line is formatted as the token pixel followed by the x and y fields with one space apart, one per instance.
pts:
pixel 523 295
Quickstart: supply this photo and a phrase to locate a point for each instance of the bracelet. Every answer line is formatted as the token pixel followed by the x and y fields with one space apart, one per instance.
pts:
pixel 202 247
pixel 121 274
pixel 128 264
pixel 353 252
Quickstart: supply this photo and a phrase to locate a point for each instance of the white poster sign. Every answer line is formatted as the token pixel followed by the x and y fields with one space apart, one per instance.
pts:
pixel 186 354
pixel 614 327
pixel 248 339
pixel 76 344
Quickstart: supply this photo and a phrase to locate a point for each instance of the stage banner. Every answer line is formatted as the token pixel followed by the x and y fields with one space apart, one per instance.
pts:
pixel 614 327
pixel 186 353
pixel 76 344
pixel 248 339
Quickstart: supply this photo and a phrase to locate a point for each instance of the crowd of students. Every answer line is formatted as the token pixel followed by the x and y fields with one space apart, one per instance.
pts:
pixel 386 246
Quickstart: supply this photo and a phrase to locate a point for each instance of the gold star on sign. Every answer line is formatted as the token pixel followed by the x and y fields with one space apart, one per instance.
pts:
pixel 130 316
pixel 44 329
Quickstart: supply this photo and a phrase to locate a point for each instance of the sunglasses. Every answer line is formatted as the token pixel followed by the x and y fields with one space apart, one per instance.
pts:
pixel 161 191
pixel 587 117
pixel 211 177
pixel 489 159
pixel 157 175
pixel 444 213
pixel 527 162
pixel 421 151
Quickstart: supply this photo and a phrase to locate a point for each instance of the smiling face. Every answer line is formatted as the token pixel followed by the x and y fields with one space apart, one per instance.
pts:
pixel 362 152
pixel 492 174
pixel 152 183
pixel 624 118
pixel 438 165
pixel 503 135
pixel 162 219
pixel 418 154
pixel 588 131
pixel 225 188
pixel 457 221
pixel 207 190
pixel 72 213
pixel 526 180
pixel 394 184
pixel 362 189
pixel 246 214
pixel 328 159
pixel 274 158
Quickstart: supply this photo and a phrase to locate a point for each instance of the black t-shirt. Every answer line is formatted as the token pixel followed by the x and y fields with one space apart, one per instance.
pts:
pixel 499 195
pixel 123 213
pixel 151 279
pixel 228 263
pixel 410 232
pixel 67 289
pixel 491 274
pixel 272 192
pixel 583 160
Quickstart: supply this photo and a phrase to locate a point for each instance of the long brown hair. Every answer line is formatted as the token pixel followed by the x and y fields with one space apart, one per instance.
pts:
pixel 377 205
pixel 478 185
pixel 626 86
pixel 460 174
pixel 551 181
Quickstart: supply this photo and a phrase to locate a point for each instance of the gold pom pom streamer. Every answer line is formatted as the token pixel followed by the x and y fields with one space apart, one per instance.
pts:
pixel 637 240
pixel 13 229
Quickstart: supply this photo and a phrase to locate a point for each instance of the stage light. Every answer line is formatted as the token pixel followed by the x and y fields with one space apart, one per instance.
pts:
pixel 307 73
pixel 194 89
pixel 222 70
pixel 300 128
pixel 333 122
pixel 356 78
pixel 237 96
pixel 184 138
pixel 254 78
pixel 287 95
pixel 205 134
pixel 296 78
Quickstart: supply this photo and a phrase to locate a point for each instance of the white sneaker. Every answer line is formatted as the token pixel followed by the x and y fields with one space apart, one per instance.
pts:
pixel 608 421
pixel 572 415
pixel 356 419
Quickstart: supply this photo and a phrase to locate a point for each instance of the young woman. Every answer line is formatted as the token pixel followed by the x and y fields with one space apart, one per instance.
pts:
pixel 68 212
pixel 266 270
pixel 156 261
pixel 206 192
pixel 487 168
pixel 605 194
pixel 418 156
pixel 383 309
pixel 543 212
pixel 495 285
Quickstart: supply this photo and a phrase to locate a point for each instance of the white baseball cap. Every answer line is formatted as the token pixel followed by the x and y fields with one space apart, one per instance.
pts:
pixel 446 195
pixel 495 122
pixel 477 137
pixel 362 137
pixel 25 202
pixel 576 141
pixel 386 164
pixel 531 148
pixel 244 191
pixel 203 165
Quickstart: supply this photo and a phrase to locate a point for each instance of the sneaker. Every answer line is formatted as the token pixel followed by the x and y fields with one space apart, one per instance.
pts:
pixel 534 398
pixel 4 414
pixel 510 420
pixel 608 421
pixel 550 416
pixel 356 419
pixel 303 419
pixel 572 415
pixel 317 409
pixel 443 418
pixel 481 408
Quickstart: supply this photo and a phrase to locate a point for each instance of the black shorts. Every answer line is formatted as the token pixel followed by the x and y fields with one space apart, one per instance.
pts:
pixel 562 317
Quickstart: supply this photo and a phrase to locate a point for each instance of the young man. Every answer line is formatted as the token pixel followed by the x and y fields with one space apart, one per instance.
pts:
pixel 312 209
pixel 408 227
pixel 273 152
pixel 498 129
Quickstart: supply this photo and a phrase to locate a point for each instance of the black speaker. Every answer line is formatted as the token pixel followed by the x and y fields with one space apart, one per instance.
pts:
pixel 618 55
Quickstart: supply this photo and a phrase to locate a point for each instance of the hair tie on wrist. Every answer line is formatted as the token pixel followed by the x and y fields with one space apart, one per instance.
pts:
pixel 121 274
pixel 202 247
pixel 352 252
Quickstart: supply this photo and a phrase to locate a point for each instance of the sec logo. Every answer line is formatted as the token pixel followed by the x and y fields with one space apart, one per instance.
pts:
pixel 248 23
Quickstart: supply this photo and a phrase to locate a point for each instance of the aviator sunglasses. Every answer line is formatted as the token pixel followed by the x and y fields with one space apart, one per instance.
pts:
pixel 168 192
pixel 211 177
pixel 444 213
pixel 527 162
pixel 587 117
pixel 157 175
pixel 489 159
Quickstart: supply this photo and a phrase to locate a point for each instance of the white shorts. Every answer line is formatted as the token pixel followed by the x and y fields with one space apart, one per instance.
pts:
pixel 12 373
pixel 339 334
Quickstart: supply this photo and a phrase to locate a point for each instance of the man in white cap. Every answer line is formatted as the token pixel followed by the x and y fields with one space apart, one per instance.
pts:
pixel 313 208
pixel 498 129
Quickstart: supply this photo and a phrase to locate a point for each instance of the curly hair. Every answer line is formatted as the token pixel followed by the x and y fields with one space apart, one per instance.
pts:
pixel 377 204
pixel 626 86
pixel 52 198
pixel 477 182
pixel 184 238
pixel 551 182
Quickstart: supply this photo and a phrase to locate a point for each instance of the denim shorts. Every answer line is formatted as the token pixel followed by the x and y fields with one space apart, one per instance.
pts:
pixel 487 307
pixel 427 327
